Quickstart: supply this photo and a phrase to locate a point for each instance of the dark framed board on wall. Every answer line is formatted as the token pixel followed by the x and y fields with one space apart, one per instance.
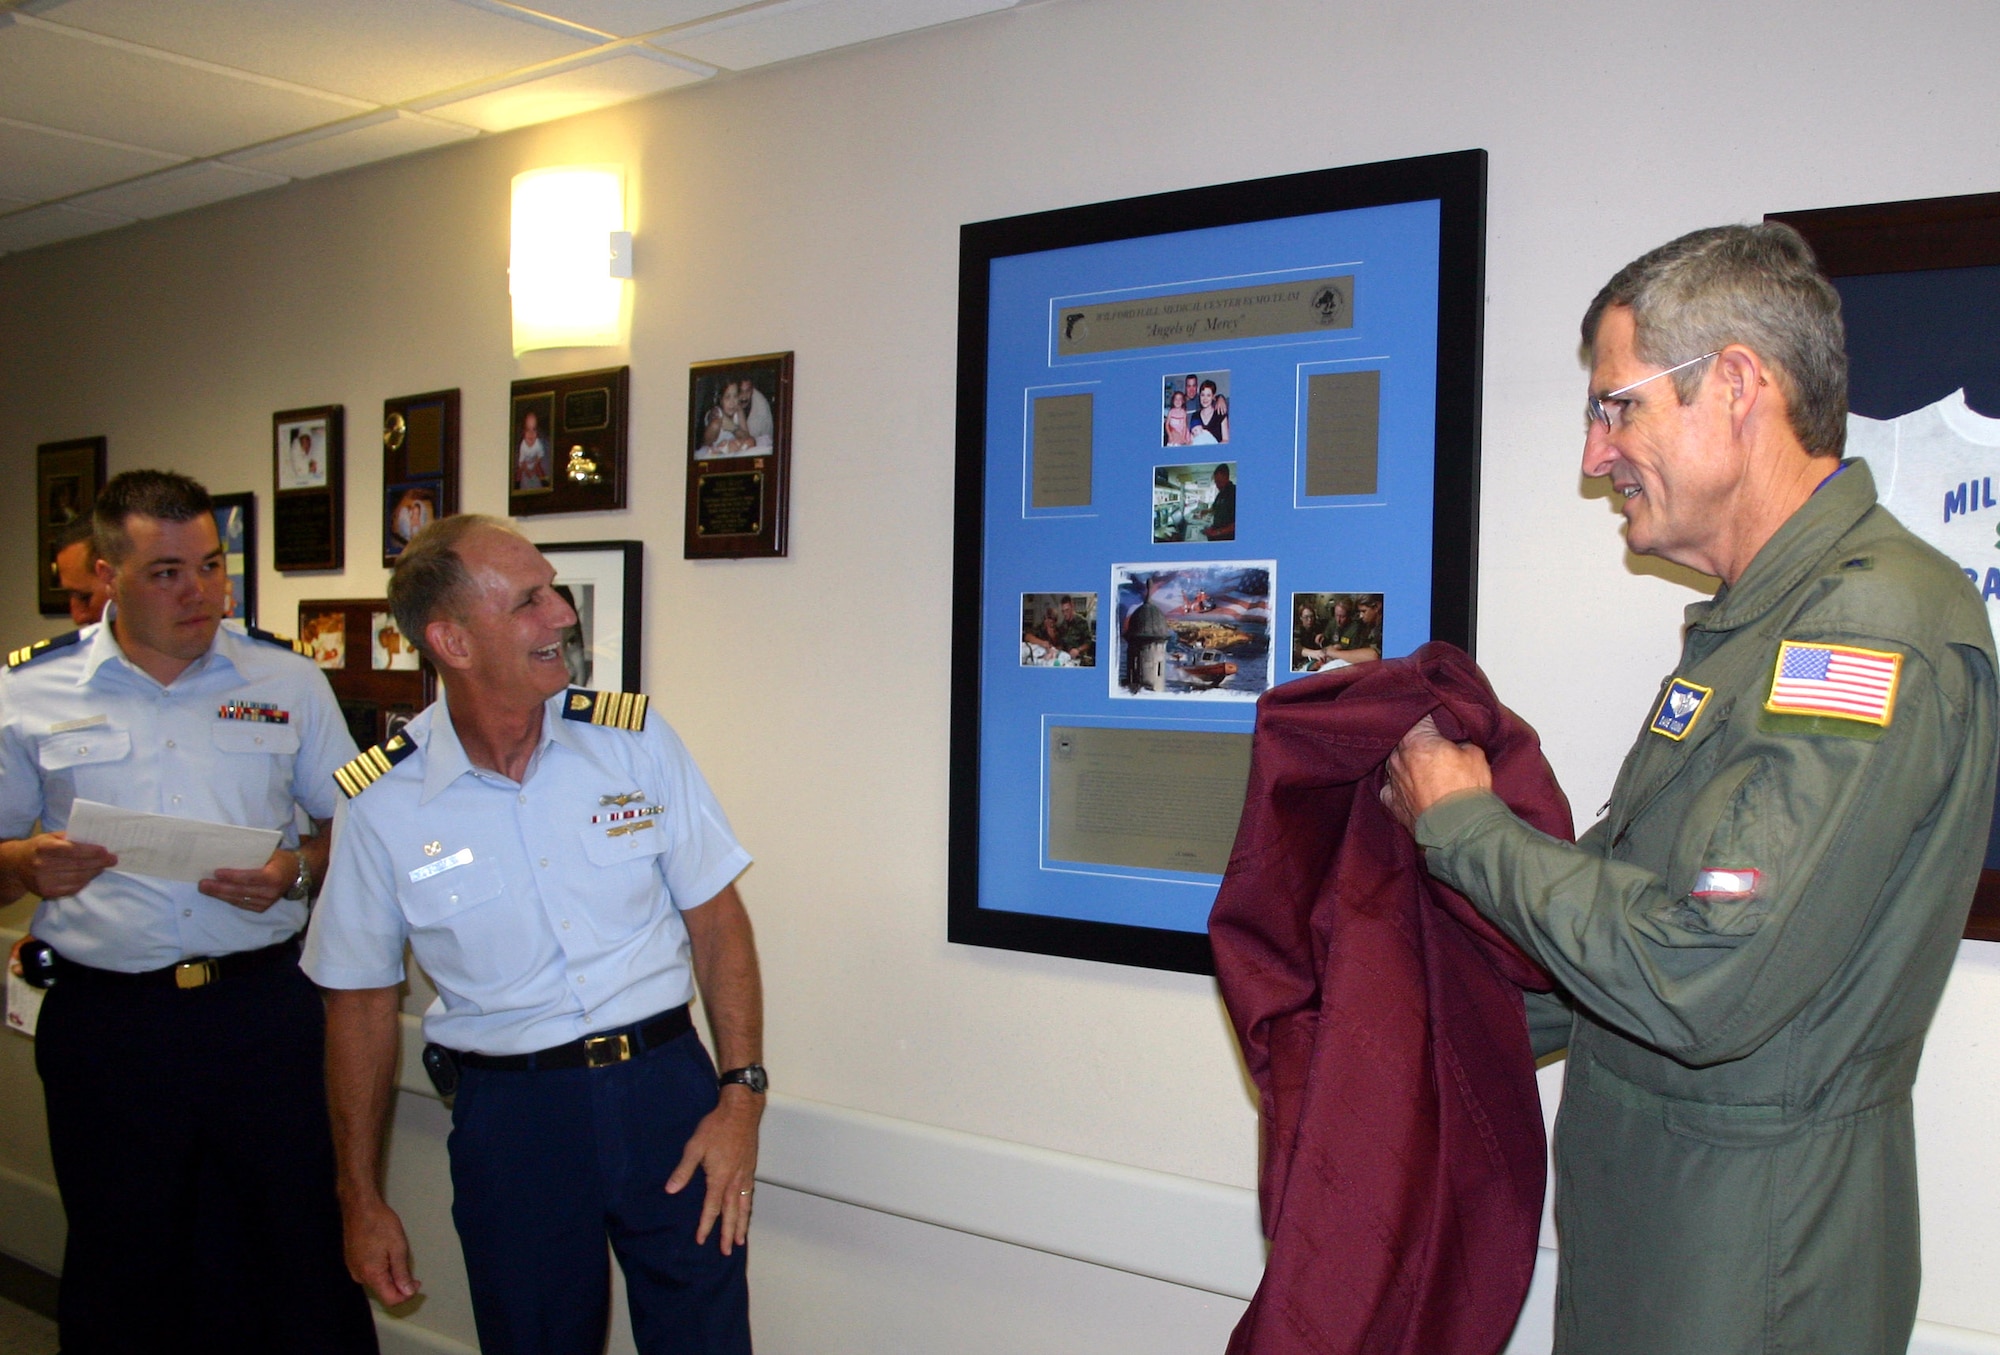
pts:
pixel 1186 424
pixel 739 469
pixel 1919 286
pixel 419 466
pixel 308 488
pixel 566 443
pixel 68 475
pixel 377 676
pixel 236 528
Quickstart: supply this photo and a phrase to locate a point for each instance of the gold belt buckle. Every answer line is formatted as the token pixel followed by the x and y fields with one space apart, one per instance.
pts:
pixel 600 1051
pixel 195 973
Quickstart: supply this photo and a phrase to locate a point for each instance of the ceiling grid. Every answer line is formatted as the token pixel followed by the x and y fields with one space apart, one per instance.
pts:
pixel 113 111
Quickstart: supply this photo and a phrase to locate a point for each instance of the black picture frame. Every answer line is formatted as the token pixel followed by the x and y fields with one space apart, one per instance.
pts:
pixel 617 571
pixel 583 417
pixel 340 636
pixel 68 475
pixel 1929 269
pixel 1457 182
pixel 419 465
pixel 308 500
pixel 236 527
pixel 739 491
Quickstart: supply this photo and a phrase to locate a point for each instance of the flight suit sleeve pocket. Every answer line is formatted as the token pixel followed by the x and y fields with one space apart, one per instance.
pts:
pixel 84 748
pixel 1722 883
pixel 643 839
pixel 430 901
pixel 246 736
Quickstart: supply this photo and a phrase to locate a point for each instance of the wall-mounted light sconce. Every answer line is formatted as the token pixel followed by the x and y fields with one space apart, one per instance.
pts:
pixel 571 253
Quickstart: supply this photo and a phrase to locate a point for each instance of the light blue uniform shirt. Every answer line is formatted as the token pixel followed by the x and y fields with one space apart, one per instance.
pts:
pixel 544 911
pixel 84 722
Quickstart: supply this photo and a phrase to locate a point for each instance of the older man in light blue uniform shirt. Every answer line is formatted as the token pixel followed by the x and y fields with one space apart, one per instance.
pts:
pixel 564 875
pixel 179 1047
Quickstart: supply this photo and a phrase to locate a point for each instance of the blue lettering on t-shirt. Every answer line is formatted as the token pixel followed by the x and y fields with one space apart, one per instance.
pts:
pixel 1969 497
pixel 1991 588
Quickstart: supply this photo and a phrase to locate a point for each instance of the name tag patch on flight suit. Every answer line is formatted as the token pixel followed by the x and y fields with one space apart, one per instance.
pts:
pixel 1835 683
pixel 1726 884
pixel 1680 708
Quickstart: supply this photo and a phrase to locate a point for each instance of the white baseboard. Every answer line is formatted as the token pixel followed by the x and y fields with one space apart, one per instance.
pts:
pixel 400 1337
pixel 32 1228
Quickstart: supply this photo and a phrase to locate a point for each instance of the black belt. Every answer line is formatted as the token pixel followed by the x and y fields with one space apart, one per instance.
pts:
pixel 592 1051
pixel 198 972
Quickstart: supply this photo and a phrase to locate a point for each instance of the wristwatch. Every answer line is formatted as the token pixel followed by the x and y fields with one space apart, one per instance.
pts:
pixel 302 887
pixel 751 1075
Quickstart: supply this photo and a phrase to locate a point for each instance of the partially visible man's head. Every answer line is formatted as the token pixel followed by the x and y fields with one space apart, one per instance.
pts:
pixel 1757 286
pixel 76 572
pixel 161 557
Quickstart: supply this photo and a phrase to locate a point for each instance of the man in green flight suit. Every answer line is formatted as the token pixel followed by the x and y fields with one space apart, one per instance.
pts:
pixel 1755 936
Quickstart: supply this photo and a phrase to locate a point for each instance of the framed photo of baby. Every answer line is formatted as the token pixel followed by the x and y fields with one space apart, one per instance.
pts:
pixel 739 456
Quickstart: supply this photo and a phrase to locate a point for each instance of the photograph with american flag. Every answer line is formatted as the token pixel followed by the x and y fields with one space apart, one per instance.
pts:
pixel 1842 681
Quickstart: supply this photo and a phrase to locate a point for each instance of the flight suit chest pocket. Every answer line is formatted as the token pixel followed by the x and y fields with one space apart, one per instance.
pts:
pixel 433 899
pixel 1660 763
pixel 83 748
pixel 641 840
pixel 247 736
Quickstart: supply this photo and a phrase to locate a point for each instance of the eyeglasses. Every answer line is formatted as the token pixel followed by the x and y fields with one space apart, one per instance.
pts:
pixel 1602 406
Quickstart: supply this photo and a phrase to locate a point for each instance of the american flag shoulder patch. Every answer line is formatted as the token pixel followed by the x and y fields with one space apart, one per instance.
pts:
pixel 1844 682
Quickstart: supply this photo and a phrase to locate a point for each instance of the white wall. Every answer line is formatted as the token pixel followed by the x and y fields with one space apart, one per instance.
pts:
pixel 815 207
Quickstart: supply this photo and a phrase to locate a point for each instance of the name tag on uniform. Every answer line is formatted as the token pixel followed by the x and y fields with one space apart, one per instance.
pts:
pixel 461 857
pixel 1680 708
pixel 83 722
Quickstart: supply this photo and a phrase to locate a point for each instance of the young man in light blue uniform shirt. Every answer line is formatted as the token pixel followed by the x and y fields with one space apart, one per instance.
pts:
pixel 179 1047
pixel 565 877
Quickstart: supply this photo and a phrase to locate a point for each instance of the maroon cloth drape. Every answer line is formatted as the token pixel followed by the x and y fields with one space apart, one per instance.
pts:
pixel 1381 1017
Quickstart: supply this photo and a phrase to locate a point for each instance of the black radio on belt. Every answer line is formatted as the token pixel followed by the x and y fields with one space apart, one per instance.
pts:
pixel 38 963
pixel 442 1066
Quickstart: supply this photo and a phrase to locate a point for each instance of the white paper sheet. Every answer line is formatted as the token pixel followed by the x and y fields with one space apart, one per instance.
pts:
pixel 170 848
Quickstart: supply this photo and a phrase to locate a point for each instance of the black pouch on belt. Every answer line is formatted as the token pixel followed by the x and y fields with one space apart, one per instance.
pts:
pixel 442 1066
pixel 38 963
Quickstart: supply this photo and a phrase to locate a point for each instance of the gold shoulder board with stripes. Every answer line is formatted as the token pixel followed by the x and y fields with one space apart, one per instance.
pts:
pixel 29 653
pixel 620 710
pixel 372 766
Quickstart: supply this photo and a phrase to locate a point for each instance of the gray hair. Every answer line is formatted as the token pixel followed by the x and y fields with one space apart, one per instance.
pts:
pixel 165 495
pixel 431 580
pixel 1758 286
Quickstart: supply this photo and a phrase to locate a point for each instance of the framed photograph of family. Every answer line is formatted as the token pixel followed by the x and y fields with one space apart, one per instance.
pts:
pixel 604 583
pixel 566 443
pixel 376 674
pixel 1919 285
pixel 419 466
pixel 236 528
pixel 309 488
pixel 739 457
pixel 67 478
pixel 1209 442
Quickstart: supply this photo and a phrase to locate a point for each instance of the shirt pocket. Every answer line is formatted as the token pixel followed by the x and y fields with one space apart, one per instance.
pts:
pixel 84 747
pixel 434 901
pixel 626 887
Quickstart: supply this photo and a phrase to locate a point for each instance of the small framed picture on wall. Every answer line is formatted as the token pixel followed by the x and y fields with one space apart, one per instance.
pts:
pixel 419 466
pixel 67 478
pixel 236 528
pixel 308 484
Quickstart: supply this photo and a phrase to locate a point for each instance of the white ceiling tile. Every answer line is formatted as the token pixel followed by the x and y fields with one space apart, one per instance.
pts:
pixel 626 74
pixel 38 163
pixel 46 225
pixel 377 137
pixel 60 79
pixel 628 18
pixel 178 190
pixel 794 28
pixel 384 51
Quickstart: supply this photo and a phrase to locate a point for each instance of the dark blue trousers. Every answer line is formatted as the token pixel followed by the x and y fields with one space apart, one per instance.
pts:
pixel 548 1165
pixel 190 1140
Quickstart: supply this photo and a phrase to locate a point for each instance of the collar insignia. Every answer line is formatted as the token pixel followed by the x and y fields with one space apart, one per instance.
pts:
pixel 1680 708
